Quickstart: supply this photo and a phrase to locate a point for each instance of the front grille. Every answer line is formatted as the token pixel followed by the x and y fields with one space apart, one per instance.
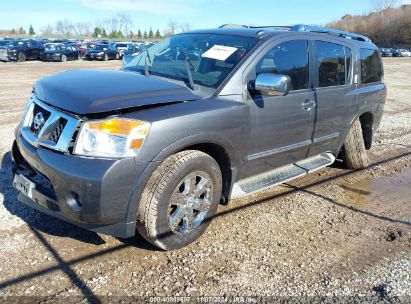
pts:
pixel 57 129
pixel 37 110
pixel 46 126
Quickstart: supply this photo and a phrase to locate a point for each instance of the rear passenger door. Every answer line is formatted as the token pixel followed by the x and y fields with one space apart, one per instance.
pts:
pixel 336 94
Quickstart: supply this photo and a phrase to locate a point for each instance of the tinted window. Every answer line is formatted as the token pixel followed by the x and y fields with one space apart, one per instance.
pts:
pixel 348 60
pixel 371 70
pixel 288 58
pixel 331 64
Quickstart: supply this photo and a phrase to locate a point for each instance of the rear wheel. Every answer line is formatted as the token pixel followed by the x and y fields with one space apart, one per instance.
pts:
pixel 180 200
pixel 21 57
pixel 354 153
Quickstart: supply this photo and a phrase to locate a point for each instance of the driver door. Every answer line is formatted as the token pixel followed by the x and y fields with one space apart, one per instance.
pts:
pixel 281 126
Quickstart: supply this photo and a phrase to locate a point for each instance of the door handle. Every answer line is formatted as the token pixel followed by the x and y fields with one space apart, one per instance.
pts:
pixel 308 105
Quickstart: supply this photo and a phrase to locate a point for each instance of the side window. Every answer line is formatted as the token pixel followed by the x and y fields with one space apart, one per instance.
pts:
pixel 371 69
pixel 331 64
pixel 288 58
pixel 348 61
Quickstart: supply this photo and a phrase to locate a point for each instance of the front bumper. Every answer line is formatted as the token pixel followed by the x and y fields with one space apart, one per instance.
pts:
pixel 4 56
pixel 50 58
pixel 95 194
pixel 94 57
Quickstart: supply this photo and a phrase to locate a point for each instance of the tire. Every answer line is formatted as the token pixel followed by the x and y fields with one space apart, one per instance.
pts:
pixel 117 56
pixel 21 57
pixel 63 58
pixel 157 210
pixel 105 57
pixel 354 152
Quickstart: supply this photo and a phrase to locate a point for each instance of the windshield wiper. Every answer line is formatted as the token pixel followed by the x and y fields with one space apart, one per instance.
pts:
pixel 189 67
pixel 146 71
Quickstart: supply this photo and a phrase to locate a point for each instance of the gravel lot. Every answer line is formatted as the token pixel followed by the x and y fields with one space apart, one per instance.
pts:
pixel 332 235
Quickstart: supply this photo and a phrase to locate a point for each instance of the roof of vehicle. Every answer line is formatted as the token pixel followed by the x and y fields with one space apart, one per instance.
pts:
pixel 262 32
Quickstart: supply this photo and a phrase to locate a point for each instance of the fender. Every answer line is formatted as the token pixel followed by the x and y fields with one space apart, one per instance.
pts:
pixel 181 144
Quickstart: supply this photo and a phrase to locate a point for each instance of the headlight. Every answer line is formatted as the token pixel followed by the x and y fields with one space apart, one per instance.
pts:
pixel 101 53
pixel 112 138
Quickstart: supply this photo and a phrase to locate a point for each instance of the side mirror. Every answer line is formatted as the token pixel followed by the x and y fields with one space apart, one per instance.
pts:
pixel 273 84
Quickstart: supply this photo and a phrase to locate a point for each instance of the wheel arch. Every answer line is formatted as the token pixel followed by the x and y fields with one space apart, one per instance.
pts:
pixel 367 122
pixel 214 145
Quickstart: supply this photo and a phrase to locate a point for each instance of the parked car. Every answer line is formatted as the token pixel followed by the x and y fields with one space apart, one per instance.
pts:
pixel 132 51
pixel 157 145
pixel 386 52
pixel 401 53
pixel 122 47
pixel 59 52
pixel 21 50
pixel 102 52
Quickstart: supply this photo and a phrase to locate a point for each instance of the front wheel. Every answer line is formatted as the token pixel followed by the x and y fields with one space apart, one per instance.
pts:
pixel 354 153
pixel 21 57
pixel 63 58
pixel 105 57
pixel 117 56
pixel 179 200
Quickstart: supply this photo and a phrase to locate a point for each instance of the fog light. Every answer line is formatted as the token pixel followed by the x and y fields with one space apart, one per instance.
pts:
pixel 73 201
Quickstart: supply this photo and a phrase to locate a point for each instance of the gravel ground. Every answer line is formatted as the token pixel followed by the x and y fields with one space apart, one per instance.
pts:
pixel 333 235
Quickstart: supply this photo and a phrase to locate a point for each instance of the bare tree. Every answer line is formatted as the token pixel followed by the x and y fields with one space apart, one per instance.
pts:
pixel 125 23
pixel 185 27
pixel 47 30
pixel 381 5
pixel 171 28
pixel 59 27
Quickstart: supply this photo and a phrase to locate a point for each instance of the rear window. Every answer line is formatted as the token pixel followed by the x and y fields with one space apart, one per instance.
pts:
pixel 371 69
pixel 331 64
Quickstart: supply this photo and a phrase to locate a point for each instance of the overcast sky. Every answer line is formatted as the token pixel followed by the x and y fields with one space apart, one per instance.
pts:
pixel 198 13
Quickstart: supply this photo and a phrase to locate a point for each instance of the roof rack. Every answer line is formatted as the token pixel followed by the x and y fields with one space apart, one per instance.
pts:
pixel 304 28
pixel 324 30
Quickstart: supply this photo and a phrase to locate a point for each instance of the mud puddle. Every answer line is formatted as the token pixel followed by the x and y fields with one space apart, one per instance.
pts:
pixel 380 192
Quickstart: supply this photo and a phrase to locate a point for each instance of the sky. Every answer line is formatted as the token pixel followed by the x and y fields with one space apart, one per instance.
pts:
pixel 198 13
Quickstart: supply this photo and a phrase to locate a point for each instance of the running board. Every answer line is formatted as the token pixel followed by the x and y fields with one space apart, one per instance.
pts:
pixel 280 175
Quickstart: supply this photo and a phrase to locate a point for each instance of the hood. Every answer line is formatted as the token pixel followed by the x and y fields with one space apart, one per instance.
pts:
pixel 90 91
pixel 13 48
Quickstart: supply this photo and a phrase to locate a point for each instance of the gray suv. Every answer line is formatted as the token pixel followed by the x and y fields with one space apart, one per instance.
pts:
pixel 196 120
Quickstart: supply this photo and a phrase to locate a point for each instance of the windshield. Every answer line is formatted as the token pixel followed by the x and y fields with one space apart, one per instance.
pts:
pixel 15 43
pixel 212 57
pixel 100 47
pixel 122 45
pixel 54 47
pixel 132 47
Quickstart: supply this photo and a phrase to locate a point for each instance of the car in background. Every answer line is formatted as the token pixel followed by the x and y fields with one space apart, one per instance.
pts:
pixel 401 53
pixel 102 52
pixel 122 47
pixel 3 42
pixel 132 51
pixel 59 52
pixel 386 52
pixel 21 50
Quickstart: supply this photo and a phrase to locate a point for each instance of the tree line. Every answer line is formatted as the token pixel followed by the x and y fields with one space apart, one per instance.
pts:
pixel 118 27
pixel 386 25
